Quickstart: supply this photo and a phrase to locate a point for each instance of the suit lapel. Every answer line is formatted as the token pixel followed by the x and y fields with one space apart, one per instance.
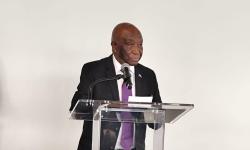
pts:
pixel 110 72
pixel 138 81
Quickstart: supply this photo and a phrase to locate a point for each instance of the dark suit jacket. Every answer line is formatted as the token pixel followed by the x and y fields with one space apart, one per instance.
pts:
pixel 145 85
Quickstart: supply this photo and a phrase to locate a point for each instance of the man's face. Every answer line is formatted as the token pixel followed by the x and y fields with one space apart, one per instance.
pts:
pixel 129 47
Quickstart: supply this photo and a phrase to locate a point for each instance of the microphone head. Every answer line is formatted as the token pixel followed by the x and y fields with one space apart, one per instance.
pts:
pixel 126 75
pixel 124 65
pixel 125 70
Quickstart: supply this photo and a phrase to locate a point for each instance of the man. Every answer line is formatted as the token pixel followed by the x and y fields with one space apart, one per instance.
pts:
pixel 126 48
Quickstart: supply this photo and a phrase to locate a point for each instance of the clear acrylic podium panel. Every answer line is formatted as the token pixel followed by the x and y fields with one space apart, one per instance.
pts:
pixel 153 115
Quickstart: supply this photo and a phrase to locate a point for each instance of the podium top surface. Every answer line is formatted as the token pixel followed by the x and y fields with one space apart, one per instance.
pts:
pixel 142 112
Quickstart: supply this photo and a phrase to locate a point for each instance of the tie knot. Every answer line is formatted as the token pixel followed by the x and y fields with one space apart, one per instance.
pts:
pixel 126 92
pixel 127 83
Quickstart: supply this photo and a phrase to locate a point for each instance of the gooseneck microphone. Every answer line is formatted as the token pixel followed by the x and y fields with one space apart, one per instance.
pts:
pixel 126 75
pixel 91 86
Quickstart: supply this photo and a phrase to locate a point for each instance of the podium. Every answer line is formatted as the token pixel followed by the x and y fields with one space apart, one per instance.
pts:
pixel 107 118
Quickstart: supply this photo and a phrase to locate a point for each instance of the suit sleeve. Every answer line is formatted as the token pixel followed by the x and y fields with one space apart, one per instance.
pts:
pixel 156 93
pixel 82 89
pixel 156 98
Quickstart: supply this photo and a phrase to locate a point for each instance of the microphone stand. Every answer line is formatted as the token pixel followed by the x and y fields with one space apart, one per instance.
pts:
pixel 91 86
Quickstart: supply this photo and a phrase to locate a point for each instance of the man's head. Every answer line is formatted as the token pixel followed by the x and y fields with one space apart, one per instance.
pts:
pixel 127 44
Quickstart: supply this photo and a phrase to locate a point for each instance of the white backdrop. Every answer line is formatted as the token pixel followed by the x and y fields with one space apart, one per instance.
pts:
pixel 199 49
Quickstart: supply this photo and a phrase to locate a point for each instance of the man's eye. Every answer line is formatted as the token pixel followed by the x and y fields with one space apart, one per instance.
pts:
pixel 130 44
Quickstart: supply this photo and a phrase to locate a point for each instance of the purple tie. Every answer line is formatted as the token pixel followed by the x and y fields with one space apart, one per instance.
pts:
pixel 127 128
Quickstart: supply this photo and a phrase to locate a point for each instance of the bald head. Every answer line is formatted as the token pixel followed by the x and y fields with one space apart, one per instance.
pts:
pixel 126 43
pixel 119 30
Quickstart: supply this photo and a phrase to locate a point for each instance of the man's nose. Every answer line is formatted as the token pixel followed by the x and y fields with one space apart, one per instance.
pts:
pixel 136 50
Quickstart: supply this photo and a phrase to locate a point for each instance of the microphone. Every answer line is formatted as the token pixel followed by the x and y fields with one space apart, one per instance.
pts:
pixel 126 75
pixel 91 86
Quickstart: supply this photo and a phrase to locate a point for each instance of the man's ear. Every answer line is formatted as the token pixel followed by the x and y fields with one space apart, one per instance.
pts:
pixel 114 44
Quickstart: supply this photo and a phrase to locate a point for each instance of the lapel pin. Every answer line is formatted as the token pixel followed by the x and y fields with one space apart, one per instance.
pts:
pixel 140 75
